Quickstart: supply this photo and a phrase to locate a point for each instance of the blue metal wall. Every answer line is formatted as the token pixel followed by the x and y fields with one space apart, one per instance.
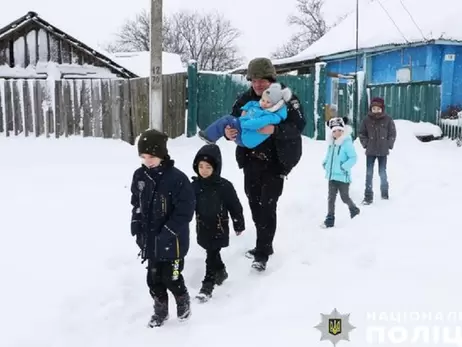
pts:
pixel 427 63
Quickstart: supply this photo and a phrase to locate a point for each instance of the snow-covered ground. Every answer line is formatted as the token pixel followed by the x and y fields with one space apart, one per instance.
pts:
pixel 70 276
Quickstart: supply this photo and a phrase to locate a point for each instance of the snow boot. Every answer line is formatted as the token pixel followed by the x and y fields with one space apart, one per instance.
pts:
pixel 385 196
pixel 183 307
pixel 160 313
pixel 354 212
pixel 220 277
pixel 205 294
pixel 203 137
pixel 259 265
pixel 329 222
pixel 367 201
pixel 251 252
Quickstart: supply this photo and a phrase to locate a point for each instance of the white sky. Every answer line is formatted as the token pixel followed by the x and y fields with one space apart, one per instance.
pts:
pixel 95 21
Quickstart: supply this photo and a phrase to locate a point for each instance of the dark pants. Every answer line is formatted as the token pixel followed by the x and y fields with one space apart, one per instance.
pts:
pixel 213 264
pixel 342 188
pixel 163 276
pixel 216 130
pixel 370 163
pixel 263 189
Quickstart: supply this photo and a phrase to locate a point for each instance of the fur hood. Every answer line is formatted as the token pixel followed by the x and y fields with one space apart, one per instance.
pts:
pixel 346 134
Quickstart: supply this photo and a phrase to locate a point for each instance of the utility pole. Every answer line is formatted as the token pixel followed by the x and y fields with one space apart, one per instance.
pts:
pixel 155 81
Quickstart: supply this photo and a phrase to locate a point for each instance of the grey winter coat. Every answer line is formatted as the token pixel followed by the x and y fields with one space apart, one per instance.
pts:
pixel 377 134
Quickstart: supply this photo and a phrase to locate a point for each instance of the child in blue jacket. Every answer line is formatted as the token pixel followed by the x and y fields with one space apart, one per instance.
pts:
pixel 339 160
pixel 271 109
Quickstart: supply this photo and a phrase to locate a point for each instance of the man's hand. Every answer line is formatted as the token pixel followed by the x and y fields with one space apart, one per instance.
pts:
pixel 230 133
pixel 267 130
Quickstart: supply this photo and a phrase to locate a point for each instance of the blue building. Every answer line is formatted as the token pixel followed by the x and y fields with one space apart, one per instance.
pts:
pixel 400 42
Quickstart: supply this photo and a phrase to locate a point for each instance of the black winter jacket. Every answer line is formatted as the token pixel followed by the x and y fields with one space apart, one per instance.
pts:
pixel 216 199
pixel 283 150
pixel 163 206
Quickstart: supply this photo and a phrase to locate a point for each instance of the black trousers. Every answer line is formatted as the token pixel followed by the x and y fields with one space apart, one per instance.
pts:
pixel 213 264
pixel 163 276
pixel 344 190
pixel 263 189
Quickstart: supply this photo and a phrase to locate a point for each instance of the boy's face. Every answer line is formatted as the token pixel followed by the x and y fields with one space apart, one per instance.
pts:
pixel 337 133
pixel 265 102
pixel 376 109
pixel 150 161
pixel 205 169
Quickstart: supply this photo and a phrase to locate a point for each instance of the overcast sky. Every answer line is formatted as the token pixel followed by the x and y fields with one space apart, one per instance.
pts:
pixel 95 21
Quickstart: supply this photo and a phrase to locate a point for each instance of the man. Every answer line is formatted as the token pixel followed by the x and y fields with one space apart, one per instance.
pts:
pixel 266 165
pixel 377 135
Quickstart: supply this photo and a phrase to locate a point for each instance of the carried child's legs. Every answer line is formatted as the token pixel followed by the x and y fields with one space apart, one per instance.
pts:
pixel 216 130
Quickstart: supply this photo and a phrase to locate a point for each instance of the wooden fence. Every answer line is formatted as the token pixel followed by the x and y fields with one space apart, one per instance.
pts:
pixel 108 108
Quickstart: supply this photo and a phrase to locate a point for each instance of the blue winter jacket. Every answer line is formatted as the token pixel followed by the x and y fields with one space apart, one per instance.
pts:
pixel 257 118
pixel 340 157
pixel 163 203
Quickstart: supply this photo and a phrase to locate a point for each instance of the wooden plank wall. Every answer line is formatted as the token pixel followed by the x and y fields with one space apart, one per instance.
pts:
pixel 117 108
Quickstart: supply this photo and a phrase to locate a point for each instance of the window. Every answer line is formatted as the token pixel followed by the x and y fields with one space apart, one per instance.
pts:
pixel 334 92
pixel 403 75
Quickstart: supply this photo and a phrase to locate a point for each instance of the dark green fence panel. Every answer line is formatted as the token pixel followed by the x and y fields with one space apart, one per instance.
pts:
pixel 416 102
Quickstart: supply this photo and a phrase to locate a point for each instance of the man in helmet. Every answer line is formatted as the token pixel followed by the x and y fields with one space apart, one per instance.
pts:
pixel 266 165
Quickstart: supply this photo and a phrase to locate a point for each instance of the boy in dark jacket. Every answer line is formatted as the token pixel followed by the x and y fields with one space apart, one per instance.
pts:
pixel 216 197
pixel 163 206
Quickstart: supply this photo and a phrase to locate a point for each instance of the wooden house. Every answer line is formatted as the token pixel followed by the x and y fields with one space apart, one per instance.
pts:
pixel 31 47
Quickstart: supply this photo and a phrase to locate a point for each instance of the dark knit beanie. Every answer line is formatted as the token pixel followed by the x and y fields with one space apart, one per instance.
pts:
pixel 153 142
pixel 207 159
pixel 261 68
pixel 378 102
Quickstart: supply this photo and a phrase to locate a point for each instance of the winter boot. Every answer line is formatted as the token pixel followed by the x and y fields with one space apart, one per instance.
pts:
pixel 203 137
pixel 259 265
pixel 183 307
pixel 251 252
pixel 367 200
pixel 160 313
pixel 385 196
pixel 354 212
pixel 220 277
pixel 329 222
pixel 205 294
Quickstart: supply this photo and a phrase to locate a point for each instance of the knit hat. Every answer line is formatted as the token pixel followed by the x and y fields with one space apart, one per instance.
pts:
pixel 378 102
pixel 276 93
pixel 261 68
pixel 336 124
pixel 153 142
pixel 208 159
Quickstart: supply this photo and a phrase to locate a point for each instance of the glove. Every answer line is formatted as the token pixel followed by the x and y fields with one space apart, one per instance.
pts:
pixel 135 227
pixel 141 240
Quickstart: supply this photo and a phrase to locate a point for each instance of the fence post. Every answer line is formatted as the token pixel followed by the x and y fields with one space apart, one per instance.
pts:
pixel 192 99
pixel 320 101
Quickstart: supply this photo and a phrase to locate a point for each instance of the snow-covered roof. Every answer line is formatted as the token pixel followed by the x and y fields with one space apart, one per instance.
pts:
pixel 140 62
pixel 389 22
pixel 33 16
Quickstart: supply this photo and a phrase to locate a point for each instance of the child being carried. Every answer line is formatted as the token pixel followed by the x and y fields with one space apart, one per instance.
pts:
pixel 271 109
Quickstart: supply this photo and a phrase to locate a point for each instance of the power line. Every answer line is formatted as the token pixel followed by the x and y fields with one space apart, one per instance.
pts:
pixel 412 18
pixel 396 25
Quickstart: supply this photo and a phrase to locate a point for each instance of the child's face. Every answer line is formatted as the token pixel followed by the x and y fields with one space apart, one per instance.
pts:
pixel 376 109
pixel 205 169
pixel 265 102
pixel 150 161
pixel 337 133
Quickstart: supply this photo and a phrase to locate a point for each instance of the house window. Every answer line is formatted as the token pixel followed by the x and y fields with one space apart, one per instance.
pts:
pixel 403 75
pixel 334 92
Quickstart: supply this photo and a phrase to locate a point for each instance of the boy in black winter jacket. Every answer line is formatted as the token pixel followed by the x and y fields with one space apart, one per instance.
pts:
pixel 163 206
pixel 215 198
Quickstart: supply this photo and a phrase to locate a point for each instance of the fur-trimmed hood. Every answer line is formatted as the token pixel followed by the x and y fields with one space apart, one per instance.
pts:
pixel 346 134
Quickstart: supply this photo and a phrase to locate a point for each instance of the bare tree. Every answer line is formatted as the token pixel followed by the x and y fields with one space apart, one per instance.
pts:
pixel 312 27
pixel 209 38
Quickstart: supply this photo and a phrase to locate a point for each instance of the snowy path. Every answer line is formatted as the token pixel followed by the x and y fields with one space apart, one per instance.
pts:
pixel 70 276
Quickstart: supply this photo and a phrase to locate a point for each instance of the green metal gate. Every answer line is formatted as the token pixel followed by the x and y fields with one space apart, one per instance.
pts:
pixel 212 95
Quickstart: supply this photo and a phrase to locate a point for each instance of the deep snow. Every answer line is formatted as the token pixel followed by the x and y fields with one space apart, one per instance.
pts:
pixel 70 276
